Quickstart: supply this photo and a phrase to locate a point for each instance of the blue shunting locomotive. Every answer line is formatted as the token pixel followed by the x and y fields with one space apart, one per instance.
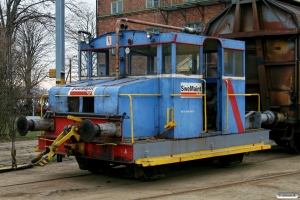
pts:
pixel 148 99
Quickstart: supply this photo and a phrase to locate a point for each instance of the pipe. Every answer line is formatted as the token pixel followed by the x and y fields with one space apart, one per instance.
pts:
pixel 105 115
pixel 138 22
pixel 60 41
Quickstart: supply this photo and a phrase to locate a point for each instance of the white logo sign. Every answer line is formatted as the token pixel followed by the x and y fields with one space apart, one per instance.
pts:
pixel 191 90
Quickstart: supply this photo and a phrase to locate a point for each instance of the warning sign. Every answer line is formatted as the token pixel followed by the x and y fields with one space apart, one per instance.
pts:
pixel 191 90
pixel 108 41
pixel 84 91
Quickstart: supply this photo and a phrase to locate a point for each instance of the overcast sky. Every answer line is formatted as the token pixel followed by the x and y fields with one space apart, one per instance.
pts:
pixel 50 82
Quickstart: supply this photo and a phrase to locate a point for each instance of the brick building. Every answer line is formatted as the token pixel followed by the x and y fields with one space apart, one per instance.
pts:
pixel 180 13
pixel 191 13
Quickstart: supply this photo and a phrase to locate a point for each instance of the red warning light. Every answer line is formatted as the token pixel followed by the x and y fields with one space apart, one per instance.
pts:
pixel 130 41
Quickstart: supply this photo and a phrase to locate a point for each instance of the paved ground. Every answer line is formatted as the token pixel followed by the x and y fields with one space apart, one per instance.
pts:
pixel 261 176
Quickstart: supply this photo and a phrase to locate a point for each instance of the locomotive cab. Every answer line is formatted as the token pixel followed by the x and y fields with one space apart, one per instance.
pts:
pixel 146 99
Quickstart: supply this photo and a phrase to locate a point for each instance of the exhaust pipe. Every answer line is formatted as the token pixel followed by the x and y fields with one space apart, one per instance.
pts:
pixel 24 125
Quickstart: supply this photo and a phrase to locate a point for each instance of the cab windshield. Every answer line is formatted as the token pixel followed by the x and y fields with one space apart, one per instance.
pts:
pixel 139 60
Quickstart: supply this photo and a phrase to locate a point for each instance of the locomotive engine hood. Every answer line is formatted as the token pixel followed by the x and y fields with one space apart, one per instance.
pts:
pixel 90 96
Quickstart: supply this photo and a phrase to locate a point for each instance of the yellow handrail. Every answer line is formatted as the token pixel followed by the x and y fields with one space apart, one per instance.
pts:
pixel 198 95
pixel 205 112
pixel 248 95
pixel 227 95
pixel 131 113
pixel 227 121
pixel 42 102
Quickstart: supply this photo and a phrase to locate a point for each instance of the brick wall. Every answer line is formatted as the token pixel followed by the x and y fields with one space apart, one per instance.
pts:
pixel 136 9
pixel 106 21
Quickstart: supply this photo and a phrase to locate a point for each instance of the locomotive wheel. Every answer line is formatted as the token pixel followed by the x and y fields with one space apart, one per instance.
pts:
pixel 224 161
pixel 229 160
pixel 93 166
pixel 148 175
pixel 281 143
pixel 153 173
pixel 295 142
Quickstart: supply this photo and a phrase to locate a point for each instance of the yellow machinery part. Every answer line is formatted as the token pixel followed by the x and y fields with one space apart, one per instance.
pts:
pixel 162 160
pixel 50 150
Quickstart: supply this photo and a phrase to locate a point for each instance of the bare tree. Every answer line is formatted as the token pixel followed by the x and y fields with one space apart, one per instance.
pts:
pixel 13 14
pixel 23 28
pixel 33 46
pixel 83 19
pixel 3 90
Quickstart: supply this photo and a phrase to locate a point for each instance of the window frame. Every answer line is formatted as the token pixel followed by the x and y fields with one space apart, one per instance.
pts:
pixel 153 29
pixel 233 63
pixel 152 4
pixel 117 7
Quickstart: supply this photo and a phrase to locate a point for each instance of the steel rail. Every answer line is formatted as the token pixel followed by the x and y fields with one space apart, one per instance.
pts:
pixel 42 181
pixel 173 193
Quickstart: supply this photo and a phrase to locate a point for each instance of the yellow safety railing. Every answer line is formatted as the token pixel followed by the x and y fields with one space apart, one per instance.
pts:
pixel 198 95
pixel 227 120
pixel 170 123
pixel 42 103
pixel 131 112
pixel 229 95
pixel 248 95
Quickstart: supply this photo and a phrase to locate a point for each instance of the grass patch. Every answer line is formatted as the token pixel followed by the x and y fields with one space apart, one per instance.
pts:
pixel 31 135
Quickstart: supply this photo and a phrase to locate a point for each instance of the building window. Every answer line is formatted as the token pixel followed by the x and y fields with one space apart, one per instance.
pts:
pixel 195 25
pixel 116 7
pixel 152 3
pixel 153 30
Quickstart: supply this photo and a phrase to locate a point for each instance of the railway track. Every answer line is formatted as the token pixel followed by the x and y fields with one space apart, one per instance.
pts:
pixel 224 185
pixel 119 173
pixel 109 185
pixel 43 181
